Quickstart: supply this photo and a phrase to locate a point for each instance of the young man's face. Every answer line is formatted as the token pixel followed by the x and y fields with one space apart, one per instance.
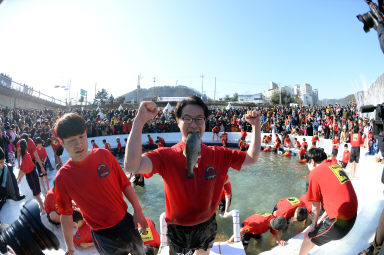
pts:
pixel 192 120
pixel 77 146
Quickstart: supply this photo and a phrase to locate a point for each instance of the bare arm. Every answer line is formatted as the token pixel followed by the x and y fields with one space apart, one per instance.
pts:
pixel 38 160
pixel 253 118
pixel 134 161
pixel 138 216
pixel 278 240
pixel 21 175
pixel 227 203
pixel 315 216
pixel 67 228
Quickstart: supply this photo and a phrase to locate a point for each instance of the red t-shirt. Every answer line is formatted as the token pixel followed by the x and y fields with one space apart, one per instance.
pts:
pixel 297 144
pixel 227 190
pixel 82 235
pixel 94 145
pixel 315 138
pixel 287 141
pixel 107 146
pixel 119 146
pixel 152 237
pixel 150 140
pixel 243 133
pixel 346 156
pixel 286 207
pixel 27 164
pixel 302 152
pixel 96 185
pixel 335 143
pixel 216 129
pixel 304 143
pixel 330 185
pixel 258 224
pixel 307 204
pixel 192 201
pixel 162 140
pixel 42 153
pixel 55 143
pixel 356 140
pixel 31 147
pixel 50 203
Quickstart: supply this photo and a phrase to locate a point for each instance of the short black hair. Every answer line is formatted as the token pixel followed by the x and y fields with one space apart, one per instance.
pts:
pixel 191 100
pixel 24 136
pixel 149 250
pixel 76 215
pixel 345 145
pixel 316 154
pixel 302 213
pixel 38 140
pixel 70 124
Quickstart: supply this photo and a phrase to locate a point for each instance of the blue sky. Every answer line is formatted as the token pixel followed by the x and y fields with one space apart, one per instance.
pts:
pixel 244 44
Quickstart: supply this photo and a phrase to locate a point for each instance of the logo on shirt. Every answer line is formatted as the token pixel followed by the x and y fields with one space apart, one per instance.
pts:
pixel 147 237
pixel 103 171
pixel 339 173
pixel 293 200
pixel 78 236
pixel 210 173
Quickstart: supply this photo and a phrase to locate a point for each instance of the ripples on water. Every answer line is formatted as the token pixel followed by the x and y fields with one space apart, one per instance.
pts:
pixel 255 189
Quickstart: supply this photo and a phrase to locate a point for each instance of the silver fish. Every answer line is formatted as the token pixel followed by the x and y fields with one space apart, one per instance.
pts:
pixel 192 152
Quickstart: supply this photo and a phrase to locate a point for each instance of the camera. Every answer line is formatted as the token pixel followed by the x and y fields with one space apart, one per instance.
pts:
pixel 27 235
pixel 378 124
pixel 373 17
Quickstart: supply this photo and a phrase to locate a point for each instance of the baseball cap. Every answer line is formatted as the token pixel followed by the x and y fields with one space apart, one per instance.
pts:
pixel 279 223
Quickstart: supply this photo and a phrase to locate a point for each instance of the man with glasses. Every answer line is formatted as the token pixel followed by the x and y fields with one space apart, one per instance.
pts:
pixel 190 203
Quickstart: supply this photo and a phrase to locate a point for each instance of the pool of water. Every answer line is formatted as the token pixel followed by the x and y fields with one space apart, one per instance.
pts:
pixel 255 189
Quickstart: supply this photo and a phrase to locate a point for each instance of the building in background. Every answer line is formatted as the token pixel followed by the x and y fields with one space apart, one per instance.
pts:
pixel 255 98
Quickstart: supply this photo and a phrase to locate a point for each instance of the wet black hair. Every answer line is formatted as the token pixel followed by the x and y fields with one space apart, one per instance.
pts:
pixel 76 215
pixel 25 136
pixel 70 124
pixel 23 147
pixel 302 213
pixel 345 145
pixel 356 129
pixel 149 250
pixel 191 100
pixel 316 154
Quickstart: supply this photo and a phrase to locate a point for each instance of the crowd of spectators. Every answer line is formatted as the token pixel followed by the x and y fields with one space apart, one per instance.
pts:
pixel 325 121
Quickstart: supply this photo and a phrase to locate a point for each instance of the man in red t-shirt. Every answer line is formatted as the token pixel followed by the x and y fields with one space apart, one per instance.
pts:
pixel 215 132
pixel 296 144
pixel 335 146
pixel 94 144
pixel 83 236
pixel 291 207
pixel 119 151
pixel 57 149
pixel 346 157
pixel 51 207
pixel 95 181
pixel 190 203
pixel 330 187
pixel 304 143
pixel 224 138
pixel 356 142
pixel 107 146
pixel 258 224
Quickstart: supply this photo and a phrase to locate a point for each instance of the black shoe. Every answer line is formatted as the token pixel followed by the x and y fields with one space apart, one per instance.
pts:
pixel 368 251
pixel 19 197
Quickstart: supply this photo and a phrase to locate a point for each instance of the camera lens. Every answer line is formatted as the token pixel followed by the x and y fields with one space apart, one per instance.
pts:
pixel 27 235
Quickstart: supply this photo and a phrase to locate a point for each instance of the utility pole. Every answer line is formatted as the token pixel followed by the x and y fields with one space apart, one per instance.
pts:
pixel 214 92
pixel 154 86
pixel 202 85
pixel 138 89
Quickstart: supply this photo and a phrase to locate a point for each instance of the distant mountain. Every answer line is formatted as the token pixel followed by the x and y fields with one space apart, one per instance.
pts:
pixel 341 101
pixel 162 91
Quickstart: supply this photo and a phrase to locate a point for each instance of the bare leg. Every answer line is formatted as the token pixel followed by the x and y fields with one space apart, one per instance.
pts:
pixel 42 185
pixel 306 246
pixel 38 199
pixel 46 181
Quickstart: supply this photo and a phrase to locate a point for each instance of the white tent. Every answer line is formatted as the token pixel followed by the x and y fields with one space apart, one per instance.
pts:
pixel 229 106
pixel 168 107
pixel 120 108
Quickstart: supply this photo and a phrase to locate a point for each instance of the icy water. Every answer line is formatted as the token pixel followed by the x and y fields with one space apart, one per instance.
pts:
pixel 255 189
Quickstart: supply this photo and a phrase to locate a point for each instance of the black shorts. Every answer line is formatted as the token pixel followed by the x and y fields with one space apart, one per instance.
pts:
pixel 331 229
pixel 39 170
pixel 33 182
pixel 245 238
pixel 59 151
pixel 355 154
pixel 187 239
pixel 123 238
